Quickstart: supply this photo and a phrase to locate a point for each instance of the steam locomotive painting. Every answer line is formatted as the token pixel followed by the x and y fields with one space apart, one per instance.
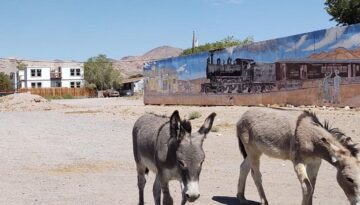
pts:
pixel 248 76
pixel 238 76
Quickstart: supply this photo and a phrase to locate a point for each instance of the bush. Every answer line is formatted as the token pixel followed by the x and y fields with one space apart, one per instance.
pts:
pixel 90 85
pixel 53 97
pixel 5 81
pixel 194 115
pixel 67 96
pixel 224 43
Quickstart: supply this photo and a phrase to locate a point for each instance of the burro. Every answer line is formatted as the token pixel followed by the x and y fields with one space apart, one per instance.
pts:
pixel 167 147
pixel 303 139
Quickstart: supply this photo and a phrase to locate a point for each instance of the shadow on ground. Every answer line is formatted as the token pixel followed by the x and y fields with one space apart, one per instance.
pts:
pixel 233 201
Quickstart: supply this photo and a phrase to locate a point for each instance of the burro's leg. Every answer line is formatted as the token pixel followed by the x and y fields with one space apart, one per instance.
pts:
pixel 157 191
pixel 141 182
pixel 300 170
pixel 244 171
pixel 255 172
pixel 312 171
pixel 164 183
pixel 183 200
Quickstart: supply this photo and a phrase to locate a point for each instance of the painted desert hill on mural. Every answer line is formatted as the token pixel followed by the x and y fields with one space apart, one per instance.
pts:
pixel 338 53
pixel 133 65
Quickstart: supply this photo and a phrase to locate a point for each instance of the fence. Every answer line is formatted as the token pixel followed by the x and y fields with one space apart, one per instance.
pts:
pixel 6 92
pixel 59 92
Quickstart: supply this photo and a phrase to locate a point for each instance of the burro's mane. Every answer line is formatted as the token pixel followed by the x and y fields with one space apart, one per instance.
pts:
pixel 335 132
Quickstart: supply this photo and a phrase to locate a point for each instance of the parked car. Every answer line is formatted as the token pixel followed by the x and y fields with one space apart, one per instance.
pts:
pixel 111 93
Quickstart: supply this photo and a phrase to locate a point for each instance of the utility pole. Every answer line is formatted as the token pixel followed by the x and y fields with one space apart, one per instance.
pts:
pixel 193 42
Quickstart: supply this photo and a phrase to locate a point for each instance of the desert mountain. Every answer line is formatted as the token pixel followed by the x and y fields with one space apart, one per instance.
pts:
pixel 8 65
pixel 132 65
pixel 339 53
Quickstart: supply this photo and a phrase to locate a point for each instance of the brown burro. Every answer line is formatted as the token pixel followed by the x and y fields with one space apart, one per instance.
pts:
pixel 301 138
pixel 167 147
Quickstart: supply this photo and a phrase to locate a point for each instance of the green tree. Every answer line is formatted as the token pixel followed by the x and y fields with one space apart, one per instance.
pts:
pixel 20 65
pixel 224 43
pixel 5 81
pixel 100 74
pixel 344 12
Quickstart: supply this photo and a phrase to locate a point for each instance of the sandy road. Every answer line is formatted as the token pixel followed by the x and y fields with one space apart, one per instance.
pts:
pixel 82 154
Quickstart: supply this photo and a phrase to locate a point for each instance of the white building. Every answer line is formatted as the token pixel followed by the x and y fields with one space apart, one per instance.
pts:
pixel 139 86
pixel 47 77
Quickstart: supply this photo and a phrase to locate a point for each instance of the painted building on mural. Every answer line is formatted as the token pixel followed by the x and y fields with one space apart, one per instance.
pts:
pixel 320 67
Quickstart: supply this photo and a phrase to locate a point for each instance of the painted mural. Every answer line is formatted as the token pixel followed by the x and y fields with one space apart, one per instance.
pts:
pixel 317 68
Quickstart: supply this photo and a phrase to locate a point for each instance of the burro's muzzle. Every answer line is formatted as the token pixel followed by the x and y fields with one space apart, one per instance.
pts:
pixel 192 191
pixel 354 200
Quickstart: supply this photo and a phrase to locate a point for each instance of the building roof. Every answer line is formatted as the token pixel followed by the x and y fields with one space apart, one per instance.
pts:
pixel 132 80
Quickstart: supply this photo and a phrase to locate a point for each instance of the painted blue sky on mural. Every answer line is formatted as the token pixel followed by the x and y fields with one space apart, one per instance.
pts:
pixel 293 47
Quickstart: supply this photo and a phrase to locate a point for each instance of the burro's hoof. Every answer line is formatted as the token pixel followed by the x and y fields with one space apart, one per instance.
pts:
pixel 264 203
pixel 240 196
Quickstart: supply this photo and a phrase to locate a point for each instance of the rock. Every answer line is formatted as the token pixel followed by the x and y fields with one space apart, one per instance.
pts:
pixel 346 108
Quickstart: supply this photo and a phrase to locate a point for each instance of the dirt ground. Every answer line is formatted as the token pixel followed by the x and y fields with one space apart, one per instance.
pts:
pixel 80 152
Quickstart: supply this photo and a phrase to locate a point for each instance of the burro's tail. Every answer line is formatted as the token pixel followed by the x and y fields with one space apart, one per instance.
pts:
pixel 240 129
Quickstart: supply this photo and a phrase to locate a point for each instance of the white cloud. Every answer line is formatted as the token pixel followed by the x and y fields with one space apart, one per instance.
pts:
pixel 354 40
pixel 297 45
pixel 230 50
pixel 330 36
pixel 182 69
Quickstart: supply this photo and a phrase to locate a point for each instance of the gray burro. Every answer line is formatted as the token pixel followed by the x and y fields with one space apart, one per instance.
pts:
pixel 301 138
pixel 167 147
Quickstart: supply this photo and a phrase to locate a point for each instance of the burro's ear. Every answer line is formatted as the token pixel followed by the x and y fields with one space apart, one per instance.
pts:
pixel 332 150
pixel 175 124
pixel 206 127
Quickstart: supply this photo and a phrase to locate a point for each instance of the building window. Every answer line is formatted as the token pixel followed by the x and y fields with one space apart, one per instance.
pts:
pixel 32 72
pixel 38 72
pixel 72 84
pixel 78 72
pixel 72 72
pixel 39 84
pixel 78 84
pixel 33 85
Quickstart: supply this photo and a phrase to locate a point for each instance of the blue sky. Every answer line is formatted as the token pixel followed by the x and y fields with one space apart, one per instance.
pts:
pixel 79 29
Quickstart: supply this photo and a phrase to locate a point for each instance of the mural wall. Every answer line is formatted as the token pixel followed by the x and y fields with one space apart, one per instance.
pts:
pixel 320 67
